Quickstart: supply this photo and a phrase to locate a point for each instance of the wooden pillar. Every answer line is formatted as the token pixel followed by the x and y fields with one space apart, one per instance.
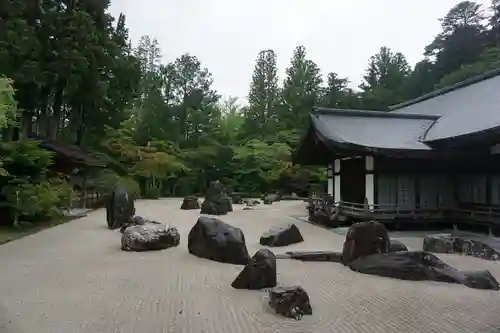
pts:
pixel 330 179
pixel 84 190
pixel 336 183
pixel 369 180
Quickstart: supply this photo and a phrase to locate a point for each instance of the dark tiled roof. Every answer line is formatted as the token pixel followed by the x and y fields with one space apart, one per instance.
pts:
pixel 372 130
pixel 467 108
pixel 447 118
pixel 72 153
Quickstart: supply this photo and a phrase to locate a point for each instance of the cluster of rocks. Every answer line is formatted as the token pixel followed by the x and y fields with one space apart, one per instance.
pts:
pixel 322 211
pixel 466 244
pixel 368 250
pixel 218 202
pixel 213 239
pixel 138 233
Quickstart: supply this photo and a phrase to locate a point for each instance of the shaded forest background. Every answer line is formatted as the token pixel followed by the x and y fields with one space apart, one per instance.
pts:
pixel 70 74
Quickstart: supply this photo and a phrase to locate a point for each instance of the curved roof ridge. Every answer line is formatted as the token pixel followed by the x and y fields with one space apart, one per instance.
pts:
pixel 462 84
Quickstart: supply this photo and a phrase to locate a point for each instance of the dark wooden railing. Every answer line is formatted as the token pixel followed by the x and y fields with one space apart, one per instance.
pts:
pixel 90 199
pixel 473 213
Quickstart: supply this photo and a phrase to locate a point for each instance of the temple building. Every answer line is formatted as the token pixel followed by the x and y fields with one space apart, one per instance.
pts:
pixel 434 157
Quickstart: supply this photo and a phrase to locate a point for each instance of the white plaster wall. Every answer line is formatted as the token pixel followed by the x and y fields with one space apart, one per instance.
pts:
pixel 369 181
pixel 330 179
pixel 336 192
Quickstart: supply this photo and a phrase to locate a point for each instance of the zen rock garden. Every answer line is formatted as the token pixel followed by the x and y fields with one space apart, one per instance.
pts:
pixel 367 249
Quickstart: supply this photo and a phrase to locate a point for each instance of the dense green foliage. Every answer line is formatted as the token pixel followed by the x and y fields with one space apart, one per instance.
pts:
pixel 162 127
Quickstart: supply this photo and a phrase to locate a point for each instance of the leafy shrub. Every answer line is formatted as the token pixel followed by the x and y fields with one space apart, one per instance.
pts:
pixel 133 187
pixel 106 180
pixel 25 159
pixel 26 191
pixel 63 189
pixel 152 189
pixel 33 202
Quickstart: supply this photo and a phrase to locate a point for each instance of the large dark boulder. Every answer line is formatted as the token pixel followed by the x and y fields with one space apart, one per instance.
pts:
pixel 282 236
pixel 229 203
pixel 120 207
pixel 396 246
pixel 190 203
pixel 149 237
pixel 210 207
pixel 259 273
pixel 471 245
pixel 363 239
pixel 210 238
pixel 290 301
pixel 216 202
pixel 419 266
pixel 236 199
pixel 272 197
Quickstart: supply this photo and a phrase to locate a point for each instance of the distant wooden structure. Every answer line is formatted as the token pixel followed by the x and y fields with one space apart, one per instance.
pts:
pixel 432 159
pixel 75 162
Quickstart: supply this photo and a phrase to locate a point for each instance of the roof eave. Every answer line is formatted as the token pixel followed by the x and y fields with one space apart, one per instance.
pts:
pixel 373 114
pixel 445 90
pixel 484 137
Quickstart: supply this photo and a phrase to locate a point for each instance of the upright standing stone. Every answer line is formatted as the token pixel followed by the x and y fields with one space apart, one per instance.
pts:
pixel 190 202
pixel 259 273
pixel 120 207
pixel 216 201
pixel 363 239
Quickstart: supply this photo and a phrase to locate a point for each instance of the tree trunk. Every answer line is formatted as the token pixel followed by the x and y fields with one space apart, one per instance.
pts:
pixel 55 120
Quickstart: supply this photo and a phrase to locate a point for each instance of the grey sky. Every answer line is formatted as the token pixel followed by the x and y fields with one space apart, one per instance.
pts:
pixel 339 35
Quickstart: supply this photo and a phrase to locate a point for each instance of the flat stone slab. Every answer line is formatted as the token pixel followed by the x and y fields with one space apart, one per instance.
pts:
pixel 313 256
pixel 421 266
pixel 470 245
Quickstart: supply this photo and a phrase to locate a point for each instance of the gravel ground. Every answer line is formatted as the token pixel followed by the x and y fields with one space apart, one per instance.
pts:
pixel 74 278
